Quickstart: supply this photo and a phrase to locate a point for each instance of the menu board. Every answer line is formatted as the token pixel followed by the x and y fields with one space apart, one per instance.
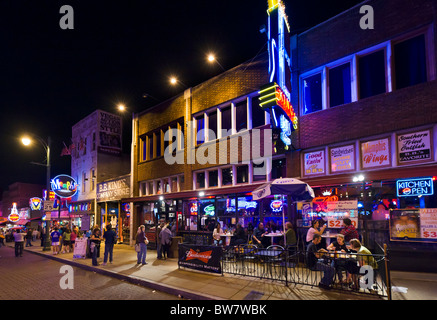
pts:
pixel 375 153
pixel 418 225
pixel 314 163
pixel 413 147
pixel 342 158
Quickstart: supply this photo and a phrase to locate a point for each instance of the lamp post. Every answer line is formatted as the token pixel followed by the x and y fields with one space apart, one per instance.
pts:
pixel 27 141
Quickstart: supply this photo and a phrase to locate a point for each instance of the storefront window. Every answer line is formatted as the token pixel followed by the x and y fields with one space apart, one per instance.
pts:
pixel 207 213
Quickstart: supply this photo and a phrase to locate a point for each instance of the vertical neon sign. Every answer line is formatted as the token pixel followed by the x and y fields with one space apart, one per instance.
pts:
pixel 276 95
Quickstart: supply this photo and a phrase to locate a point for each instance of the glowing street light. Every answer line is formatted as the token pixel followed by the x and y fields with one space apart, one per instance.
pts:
pixel 27 141
pixel 121 107
pixel 173 80
pixel 211 58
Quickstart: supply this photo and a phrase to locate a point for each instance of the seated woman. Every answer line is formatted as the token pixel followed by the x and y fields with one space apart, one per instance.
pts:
pixel 314 230
pixel 340 263
pixel 216 235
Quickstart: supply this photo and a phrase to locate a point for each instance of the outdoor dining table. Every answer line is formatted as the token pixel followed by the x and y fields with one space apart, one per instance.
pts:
pixel 328 237
pixel 273 235
pixel 228 237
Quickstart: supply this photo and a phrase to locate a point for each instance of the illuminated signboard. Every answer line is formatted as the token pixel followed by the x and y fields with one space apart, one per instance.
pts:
pixel 209 210
pixel 14 216
pixel 35 203
pixel 64 186
pixel 415 187
pixel 276 95
pixel 276 205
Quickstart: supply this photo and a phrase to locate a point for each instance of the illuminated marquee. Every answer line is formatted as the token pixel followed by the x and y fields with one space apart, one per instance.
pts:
pixel 64 186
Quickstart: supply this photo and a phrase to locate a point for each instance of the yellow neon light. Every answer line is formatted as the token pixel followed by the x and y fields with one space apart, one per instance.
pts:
pixel 267 95
pixel 269 88
pixel 272 5
pixel 265 102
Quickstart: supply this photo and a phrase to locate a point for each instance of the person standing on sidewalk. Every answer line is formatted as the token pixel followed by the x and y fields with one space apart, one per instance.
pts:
pixel 165 237
pixel 94 245
pixel 55 235
pixel 110 239
pixel 141 239
pixel 158 239
pixel 29 238
pixel 19 242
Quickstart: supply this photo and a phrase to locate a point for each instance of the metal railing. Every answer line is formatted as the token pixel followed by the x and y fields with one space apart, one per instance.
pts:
pixel 290 266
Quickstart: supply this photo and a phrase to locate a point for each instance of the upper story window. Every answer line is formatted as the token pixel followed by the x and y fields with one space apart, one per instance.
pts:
pixel 241 116
pixel 226 124
pixel 395 64
pixel 312 93
pixel 340 89
pixel 410 62
pixel 371 70
pixel 200 129
pixel 258 113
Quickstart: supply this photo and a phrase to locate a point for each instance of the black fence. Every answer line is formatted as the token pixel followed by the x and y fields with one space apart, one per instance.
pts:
pixel 350 272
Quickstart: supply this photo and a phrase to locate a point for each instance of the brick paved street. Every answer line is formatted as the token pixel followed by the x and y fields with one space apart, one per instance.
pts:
pixel 33 277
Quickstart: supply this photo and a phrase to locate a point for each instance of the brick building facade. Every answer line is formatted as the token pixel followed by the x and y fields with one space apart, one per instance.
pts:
pixel 354 91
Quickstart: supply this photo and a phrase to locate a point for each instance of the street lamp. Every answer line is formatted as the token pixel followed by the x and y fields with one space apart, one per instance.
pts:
pixel 211 58
pixel 27 141
pixel 174 81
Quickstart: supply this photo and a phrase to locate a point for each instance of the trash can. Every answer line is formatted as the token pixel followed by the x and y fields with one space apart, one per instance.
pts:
pixel 174 253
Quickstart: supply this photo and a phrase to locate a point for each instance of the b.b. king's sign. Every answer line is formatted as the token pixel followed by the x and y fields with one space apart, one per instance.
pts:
pixel 415 187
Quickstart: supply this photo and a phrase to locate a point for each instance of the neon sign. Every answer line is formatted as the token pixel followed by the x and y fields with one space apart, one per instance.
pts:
pixel 415 187
pixel 14 216
pixel 35 203
pixel 193 208
pixel 64 186
pixel 276 205
pixel 209 210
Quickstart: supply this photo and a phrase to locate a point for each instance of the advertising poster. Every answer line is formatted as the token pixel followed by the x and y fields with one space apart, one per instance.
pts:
pixel 202 258
pixel 80 248
pixel 428 224
pixel 375 153
pixel 333 212
pixel 314 163
pixel 110 133
pixel 414 147
pixel 405 225
pixel 342 159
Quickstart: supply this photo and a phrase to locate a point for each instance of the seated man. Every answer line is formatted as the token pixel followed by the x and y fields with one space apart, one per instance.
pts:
pixel 314 262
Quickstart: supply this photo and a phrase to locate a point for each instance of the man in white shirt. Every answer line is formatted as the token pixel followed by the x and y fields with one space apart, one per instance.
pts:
pixel 19 242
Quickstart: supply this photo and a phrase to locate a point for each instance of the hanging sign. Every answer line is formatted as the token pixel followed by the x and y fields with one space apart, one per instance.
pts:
pixel 35 203
pixel 64 186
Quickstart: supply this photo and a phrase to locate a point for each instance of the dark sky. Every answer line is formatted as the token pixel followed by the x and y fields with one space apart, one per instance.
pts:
pixel 52 78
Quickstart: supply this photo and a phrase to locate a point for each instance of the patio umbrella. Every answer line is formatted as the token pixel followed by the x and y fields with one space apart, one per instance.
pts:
pixel 296 189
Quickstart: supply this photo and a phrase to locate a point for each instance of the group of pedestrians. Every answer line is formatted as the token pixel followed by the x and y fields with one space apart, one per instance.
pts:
pixel 63 238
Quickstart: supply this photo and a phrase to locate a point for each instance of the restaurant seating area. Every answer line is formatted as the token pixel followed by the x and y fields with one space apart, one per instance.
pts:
pixel 289 265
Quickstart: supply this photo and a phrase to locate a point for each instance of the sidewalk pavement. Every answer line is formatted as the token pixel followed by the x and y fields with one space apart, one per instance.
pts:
pixel 165 276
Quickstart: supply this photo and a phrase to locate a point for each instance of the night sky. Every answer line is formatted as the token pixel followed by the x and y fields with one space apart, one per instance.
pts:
pixel 118 51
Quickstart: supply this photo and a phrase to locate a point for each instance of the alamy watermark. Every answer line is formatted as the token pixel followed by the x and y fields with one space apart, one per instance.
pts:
pixel 256 144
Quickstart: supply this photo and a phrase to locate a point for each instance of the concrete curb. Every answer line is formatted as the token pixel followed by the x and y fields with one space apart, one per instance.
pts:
pixel 183 293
